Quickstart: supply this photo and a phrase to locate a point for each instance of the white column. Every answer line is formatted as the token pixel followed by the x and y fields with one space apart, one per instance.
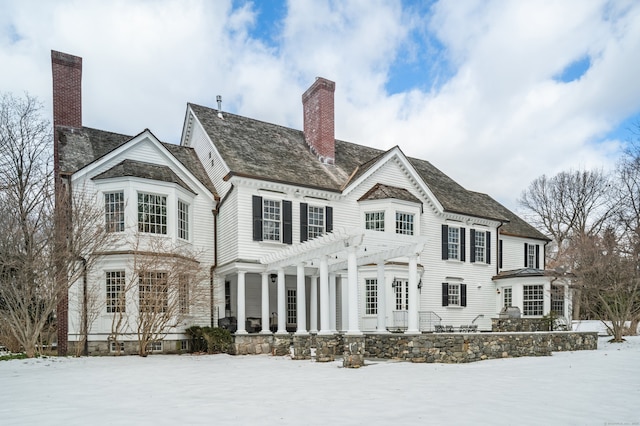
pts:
pixel 282 303
pixel 332 303
pixel 265 303
pixel 382 308
pixel 241 304
pixel 412 326
pixel 313 305
pixel 344 290
pixel 352 272
pixel 325 327
pixel 301 301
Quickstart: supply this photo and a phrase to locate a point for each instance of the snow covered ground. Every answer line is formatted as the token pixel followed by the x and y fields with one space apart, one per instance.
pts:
pixel 570 388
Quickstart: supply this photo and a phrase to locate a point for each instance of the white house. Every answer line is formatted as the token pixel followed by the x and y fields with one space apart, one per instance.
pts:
pixel 308 234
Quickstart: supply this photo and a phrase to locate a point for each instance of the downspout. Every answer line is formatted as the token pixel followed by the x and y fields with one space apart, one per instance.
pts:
pixel 498 253
pixel 215 263
pixel 85 311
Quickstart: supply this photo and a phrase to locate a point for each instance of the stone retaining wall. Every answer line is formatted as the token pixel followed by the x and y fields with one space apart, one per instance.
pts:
pixel 435 347
pixel 460 348
pixel 526 325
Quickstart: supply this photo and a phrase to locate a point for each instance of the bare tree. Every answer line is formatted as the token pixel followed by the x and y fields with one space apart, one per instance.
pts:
pixel 169 283
pixel 611 282
pixel 29 256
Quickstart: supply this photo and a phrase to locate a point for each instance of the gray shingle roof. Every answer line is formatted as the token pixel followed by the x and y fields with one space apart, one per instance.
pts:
pixel 143 170
pixel 383 192
pixel 81 147
pixel 267 151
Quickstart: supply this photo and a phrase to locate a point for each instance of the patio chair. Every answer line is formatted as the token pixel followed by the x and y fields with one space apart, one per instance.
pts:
pixel 473 328
pixel 464 329
pixel 448 329
pixel 439 328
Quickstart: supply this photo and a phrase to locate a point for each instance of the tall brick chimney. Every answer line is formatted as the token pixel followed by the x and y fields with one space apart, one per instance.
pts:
pixel 67 89
pixel 319 128
pixel 67 112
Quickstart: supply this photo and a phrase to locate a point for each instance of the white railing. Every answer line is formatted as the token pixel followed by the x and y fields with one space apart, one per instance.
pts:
pixel 428 320
pixel 400 320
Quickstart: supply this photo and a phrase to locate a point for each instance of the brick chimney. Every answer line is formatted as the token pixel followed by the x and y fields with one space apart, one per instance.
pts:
pixel 67 89
pixel 67 112
pixel 319 128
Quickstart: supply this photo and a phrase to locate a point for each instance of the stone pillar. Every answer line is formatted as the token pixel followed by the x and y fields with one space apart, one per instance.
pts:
pixel 325 327
pixel 301 346
pixel 326 347
pixel 352 271
pixel 412 323
pixel 353 351
pixel 265 303
pixel 281 344
pixel 382 308
pixel 242 318
pixel 301 301
pixel 282 304
pixel 313 305
pixel 332 303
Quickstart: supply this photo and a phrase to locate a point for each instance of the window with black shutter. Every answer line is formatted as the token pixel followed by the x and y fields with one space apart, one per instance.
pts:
pixel 257 218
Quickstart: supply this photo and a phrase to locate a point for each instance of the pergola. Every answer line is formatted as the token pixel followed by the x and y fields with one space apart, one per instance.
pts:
pixel 341 252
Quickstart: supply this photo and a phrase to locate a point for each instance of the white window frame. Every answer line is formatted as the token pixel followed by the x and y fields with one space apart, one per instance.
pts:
pixel 507 297
pixel 374 220
pixel 292 307
pixel 531 256
pixel 401 293
pixel 371 296
pixel 557 299
pixel 315 221
pixel 533 300
pixel 183 220
pixel 453 294
pixel 480 249
pixel 155 346
pixel 112 347
pixel 453 243
pixel 183 294
pixel 114 211
pixel 405 223
pixel 271 220
pixel 115 291
pixel 155 219
pixel 153 291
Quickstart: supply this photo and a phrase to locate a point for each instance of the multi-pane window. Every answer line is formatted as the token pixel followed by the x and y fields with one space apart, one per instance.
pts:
pixel 152 213
pixel 533 301
pixel 480 246
pixel 531 256
pixel 371 296
pixel 153 292
pixel 183 220
pixel 404 223
pixel 183 294
pixel 454 243
pixel 315 220
pixel 557 299
pixel 454 294
pixel 155 346
pixel 115 292
pixel 507 297
pixel 114 211
pixel 374 221
pixel 271 217
pixel 402 294
pixel 116 347
pixel 292 307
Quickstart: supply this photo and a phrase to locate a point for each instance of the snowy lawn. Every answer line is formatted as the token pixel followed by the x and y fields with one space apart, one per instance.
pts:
pixel 570 388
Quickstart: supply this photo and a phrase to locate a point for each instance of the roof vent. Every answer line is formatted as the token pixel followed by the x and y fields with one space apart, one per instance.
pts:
pixel 219 100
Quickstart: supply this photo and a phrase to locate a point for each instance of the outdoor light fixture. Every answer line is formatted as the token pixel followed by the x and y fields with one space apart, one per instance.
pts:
pixel 273 278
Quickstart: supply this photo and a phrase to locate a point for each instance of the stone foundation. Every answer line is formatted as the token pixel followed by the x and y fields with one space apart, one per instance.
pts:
pixel 302 346
pixel 281 344
pixel 327 347
pixel 251 344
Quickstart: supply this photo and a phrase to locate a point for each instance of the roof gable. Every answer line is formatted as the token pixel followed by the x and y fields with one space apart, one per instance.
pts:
pixel 383 192
pixel 140 169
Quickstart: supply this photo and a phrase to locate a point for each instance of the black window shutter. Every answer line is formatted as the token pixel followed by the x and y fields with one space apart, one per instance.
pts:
pixel 257 218
pixel 445 243
pixel 526 255
pixel 463 246
pixel 328 219
pixel 463 295
pixel 287 236
pixel 304 222
pixel 500 254
pixel 445 294
pixel 472 253
pixel 537 256
pixel 488 253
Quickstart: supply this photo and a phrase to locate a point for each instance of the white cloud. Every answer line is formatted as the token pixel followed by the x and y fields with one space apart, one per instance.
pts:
pixel 498 122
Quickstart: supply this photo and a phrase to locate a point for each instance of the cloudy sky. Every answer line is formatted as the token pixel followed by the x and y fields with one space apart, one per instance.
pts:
pixel 494 93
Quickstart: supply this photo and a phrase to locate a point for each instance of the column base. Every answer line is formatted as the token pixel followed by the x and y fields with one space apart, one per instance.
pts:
pixel 353 351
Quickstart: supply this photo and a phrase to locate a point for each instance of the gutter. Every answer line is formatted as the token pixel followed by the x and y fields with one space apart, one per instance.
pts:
pixel 215 212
